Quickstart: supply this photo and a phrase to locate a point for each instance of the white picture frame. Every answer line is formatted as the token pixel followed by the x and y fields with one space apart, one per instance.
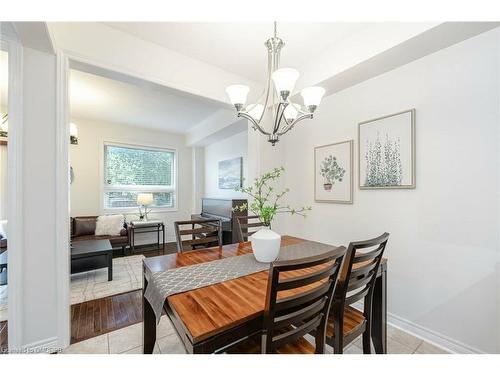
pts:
pixel 333 172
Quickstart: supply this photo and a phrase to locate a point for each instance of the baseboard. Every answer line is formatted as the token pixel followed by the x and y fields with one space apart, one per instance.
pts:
pixel 441 341
pixel 435 338
pixel 48 346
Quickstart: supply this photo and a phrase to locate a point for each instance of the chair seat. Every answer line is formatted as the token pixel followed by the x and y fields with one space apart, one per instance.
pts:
pixel 252 346
pixel 353 321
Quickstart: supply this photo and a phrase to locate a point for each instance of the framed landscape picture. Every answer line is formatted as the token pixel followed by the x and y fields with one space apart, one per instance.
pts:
pixel 386 147
pixel 230 173
pixel 333 172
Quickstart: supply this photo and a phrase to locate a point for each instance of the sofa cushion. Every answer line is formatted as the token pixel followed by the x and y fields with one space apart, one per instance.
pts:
pixel 84 225
pixel 109 225
pixel 114 240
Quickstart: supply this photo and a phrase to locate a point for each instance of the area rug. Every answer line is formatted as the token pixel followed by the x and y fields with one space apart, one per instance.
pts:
pixel 3 303
pixel 127 276
pixel 87 286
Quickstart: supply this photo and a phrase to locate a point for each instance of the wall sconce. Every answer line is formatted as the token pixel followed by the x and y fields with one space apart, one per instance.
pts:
pixel 73 134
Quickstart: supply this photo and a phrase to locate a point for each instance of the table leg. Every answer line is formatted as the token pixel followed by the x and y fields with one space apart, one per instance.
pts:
pixel 163 244
pixel 158 238
pixel 110 266
pixel 379 314
pixel 148 323
pixel 132 241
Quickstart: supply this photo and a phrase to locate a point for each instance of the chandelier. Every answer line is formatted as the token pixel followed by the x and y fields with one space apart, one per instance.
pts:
pixel 276 97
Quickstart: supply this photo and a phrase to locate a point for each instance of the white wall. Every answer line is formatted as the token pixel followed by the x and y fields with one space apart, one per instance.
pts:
pixel 39 272
pixel 3 175
pixel 3 181
pixel 443 251
pixel 86 160
pixel 229 148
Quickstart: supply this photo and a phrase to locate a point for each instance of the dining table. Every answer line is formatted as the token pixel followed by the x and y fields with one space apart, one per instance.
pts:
pixel 212 318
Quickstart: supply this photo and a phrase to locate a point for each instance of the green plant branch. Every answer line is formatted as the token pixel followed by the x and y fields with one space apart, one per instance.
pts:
pixel 265 205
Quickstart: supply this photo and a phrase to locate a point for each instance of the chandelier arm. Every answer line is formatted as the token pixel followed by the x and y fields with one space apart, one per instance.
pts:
pixel 279 117
pixel 298 119
pixel 254 123
pixel 269 68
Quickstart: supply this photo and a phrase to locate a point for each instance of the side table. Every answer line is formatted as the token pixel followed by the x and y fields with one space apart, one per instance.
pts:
pixel 150 226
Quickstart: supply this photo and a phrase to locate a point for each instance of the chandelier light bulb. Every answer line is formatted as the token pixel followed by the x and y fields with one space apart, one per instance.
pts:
pixel 238 95
pixel 291 112
pixel 312 97
pixel 284 80
pixel 255 110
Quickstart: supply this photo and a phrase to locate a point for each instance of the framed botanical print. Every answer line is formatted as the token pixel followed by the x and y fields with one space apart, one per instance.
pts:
pixel 386 147
pixel 333 172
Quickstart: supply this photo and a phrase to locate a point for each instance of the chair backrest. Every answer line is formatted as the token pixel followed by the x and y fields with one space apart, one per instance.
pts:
pixel 357 277
pixel 300 311
pixel 248 225
pixel 202 233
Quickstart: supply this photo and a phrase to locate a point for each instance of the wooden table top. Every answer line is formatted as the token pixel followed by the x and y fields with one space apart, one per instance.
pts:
pixel 207 311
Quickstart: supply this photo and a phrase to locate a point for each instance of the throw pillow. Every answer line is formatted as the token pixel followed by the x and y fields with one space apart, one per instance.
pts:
pixel 3 228
pixel 109 225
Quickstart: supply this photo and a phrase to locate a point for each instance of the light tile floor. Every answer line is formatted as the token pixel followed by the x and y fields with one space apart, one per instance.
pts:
pixel 129 341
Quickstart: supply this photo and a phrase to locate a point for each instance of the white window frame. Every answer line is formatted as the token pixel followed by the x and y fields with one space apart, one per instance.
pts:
pixel 149 189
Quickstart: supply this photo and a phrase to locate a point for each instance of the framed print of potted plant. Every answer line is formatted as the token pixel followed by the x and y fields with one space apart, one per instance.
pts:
pixel 333 175
pixel 387 152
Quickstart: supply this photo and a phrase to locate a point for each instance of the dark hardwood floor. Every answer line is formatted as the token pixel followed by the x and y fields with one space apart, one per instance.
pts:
pixel 96 317
pixel 151 251
pixel 100 316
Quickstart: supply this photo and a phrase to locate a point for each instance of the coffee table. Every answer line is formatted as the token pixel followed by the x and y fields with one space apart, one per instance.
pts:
pixel 91 255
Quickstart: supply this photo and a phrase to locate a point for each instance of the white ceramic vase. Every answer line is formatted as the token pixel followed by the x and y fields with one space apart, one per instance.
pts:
pixel 265 245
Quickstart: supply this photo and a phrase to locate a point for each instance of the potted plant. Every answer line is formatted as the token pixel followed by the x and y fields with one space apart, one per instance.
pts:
pixel 266 203
pixel 331 172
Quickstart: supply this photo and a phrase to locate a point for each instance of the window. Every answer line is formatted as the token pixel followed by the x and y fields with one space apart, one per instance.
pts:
pixel 129 170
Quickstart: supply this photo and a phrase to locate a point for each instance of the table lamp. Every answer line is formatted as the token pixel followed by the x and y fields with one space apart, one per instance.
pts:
pixel 144 200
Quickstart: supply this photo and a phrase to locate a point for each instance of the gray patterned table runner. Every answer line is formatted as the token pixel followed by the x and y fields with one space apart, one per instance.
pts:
pixel 177 280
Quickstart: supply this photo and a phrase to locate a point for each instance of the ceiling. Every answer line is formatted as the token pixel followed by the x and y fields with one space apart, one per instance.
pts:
pixel 98 98
pixel 239 47
pixel 4 79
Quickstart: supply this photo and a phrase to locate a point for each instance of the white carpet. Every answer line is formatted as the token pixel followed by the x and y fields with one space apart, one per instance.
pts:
pixel 3 302
pixel 127 276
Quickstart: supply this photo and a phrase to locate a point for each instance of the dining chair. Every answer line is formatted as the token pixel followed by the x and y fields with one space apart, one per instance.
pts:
pixel 356 282
pixel 298 298
pixel 202 233
pixel 244 225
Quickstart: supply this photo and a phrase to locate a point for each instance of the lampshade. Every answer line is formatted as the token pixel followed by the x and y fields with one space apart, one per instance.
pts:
pixel 73 130
pixel 284 80
pixel 291 112
pixel 145 199
pixel 312 96
pixel 4 122
pixel 255 110
pixel 237 94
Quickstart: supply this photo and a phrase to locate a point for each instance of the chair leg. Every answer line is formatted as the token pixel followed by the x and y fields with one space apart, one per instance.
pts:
pixel 338 348
pixel 320 338
pixel 366 342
